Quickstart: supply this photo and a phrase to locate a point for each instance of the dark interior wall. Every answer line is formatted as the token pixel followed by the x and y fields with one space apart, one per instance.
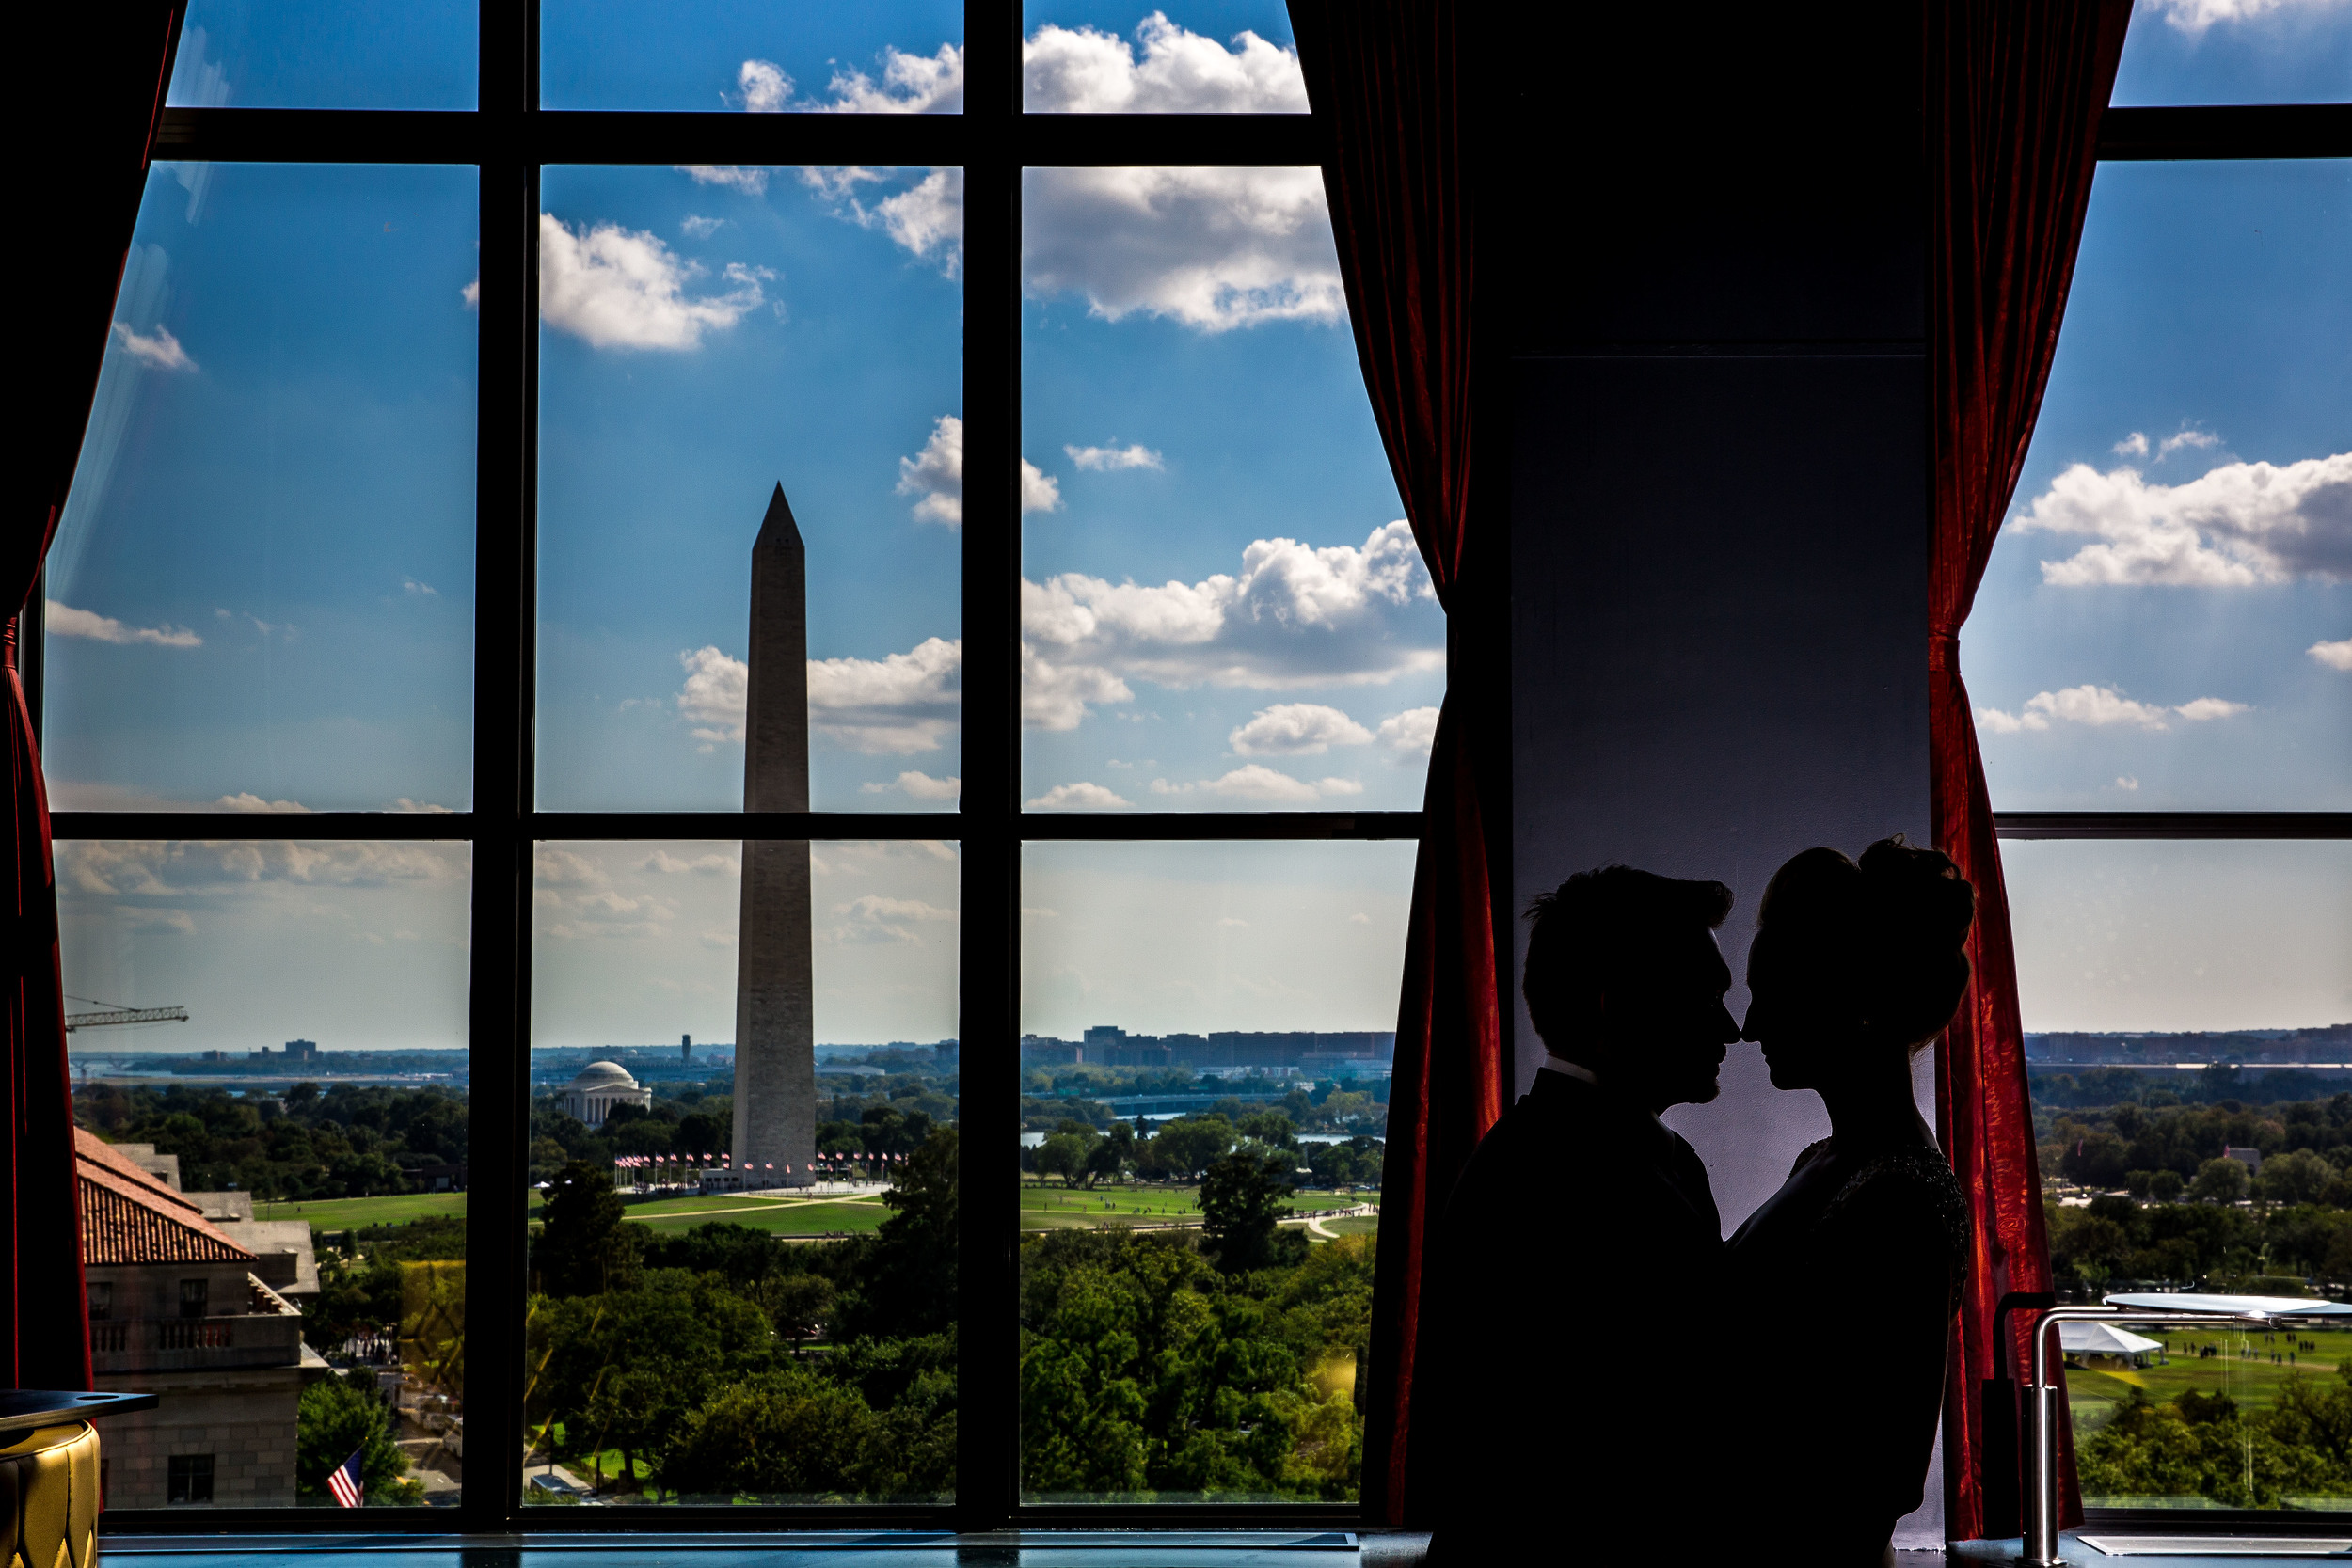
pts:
pixel 1718 479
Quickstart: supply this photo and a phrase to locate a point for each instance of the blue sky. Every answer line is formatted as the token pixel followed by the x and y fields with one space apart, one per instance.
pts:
pixel 2234 52
pixel 2151 562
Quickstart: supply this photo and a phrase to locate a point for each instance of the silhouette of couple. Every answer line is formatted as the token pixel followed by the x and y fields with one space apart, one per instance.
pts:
pixel 1600 1373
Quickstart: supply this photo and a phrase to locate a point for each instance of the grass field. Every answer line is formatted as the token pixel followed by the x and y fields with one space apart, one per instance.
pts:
pixel 777 1217
pixel 2254 1385
pixel 351 1213
pixel 1051 1207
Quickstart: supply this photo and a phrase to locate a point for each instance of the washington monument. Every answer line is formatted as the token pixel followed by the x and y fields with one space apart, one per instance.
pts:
pixel 776 1015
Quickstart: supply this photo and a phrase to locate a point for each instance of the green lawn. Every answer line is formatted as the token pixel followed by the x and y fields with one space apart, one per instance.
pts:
pixel 1049 1206
pixel 790 1217
pixel 351 1213
pixel 2254 1385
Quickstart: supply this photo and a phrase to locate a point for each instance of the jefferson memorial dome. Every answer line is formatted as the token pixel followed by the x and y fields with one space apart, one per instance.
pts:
pixel 599 1086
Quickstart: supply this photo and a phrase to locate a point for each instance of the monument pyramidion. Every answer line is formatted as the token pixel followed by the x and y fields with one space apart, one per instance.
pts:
pixel 775 1019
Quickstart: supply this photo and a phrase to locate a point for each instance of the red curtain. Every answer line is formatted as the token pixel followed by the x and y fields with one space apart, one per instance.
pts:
pixel 2014 92
pixel 1388 78
pixel 98 119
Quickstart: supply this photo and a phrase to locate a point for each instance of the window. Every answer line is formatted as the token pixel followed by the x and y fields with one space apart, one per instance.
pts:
pixel 194 1298
pixel 190 1478
pixel 745 606
pixel 102 1299
pixel 2159 660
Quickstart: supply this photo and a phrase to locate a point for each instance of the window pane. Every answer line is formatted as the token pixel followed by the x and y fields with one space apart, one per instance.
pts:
pixel 2186 1007
pixel 1214 56
pixel 320 55
pixel 2204 52
pixel 2166 620
pixel 1206 1034
pixel 273 1234
pixel 1222 608
pixel 884 56
pixel 742 1244
pixel 711 339
pixel 262 593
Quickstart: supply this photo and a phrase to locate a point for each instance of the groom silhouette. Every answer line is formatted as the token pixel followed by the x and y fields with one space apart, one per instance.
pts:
pixel 1558 1386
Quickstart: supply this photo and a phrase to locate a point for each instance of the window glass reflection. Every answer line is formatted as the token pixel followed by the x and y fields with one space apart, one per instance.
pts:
pixel 744 1081
pixel 742 359
pixel 2188 1040
pixel 1206 1034
pixel 2200 51
pixel 269 1046
pixel 320 55
pixel 2166 622
pixel 894 56
pixel 1222 608
pixel 1214 56
pixel 261 596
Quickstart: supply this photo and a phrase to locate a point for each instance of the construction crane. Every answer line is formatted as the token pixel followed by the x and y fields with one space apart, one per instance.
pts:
pixel 116 1013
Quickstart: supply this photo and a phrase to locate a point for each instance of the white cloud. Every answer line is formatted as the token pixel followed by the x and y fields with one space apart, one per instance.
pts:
pixel 921 786
pixel 2187 440
pixel 2134 445
pixel 616 288
pixel 424 588
pixel 1105 459
pixel 717 694
pixel 1080 71
pixel 161 868
pixel 1078 797
pixel 764 87
pixel 911 85
pixel 1414 730
pixel 925 218
pixel 2336 656
pixel 1040 490
pixel 405 807
pixel 1293 616
pixel 253 805
pixel 1262 784
pixel 889 706
pixel 2238 525
pixel 751 181
pixel 2193 17
pixel 701 227
pixel 879 918
pixel 664 863
pixel 65 621
pixel 471 295
pixel 158 351
pixel 936 474
pixel 1213 247
pixel 1296 730
pixel 2126 782
pixel 2099 706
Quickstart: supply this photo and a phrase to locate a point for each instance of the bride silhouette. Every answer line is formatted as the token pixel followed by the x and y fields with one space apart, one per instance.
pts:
pixel 1852 1270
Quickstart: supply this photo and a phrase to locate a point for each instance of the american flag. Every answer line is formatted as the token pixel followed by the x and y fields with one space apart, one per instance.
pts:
pixel 344 1482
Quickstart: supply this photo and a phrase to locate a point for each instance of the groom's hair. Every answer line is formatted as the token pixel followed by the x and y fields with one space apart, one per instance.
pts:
pixel 1603 930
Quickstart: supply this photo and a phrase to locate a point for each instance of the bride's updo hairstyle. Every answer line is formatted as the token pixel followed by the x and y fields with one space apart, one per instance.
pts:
pixel 1919 908
pixel 1886 933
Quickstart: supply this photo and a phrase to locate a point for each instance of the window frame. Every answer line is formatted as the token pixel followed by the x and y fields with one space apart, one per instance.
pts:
pixel 509 139
pixel 2237 133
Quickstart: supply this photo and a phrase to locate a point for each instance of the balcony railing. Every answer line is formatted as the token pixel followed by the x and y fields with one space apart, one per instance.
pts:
pixel 184 1344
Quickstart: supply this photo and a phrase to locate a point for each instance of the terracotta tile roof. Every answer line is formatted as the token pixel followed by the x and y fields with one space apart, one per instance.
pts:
pixel 128 1216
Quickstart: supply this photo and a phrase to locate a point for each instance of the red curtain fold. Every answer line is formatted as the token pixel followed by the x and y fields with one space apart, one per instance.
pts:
pixel 1388 78
pixel 2014 92
pixel 99 121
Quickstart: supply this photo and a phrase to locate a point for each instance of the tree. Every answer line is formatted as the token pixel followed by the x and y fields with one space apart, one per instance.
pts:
pixel 1064 1154
pixel 1241 1204
pixel 584 1248
pixel 1270 1128
pixel 796 1305
pixel 2166 1186
pixel 2301 1177
pixel 340 1415
pixel 909 1284
pixel 1112 1156
pixel 2221 1180
pixel 1190 1144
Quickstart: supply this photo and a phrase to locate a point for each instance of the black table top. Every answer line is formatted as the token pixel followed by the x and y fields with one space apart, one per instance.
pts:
pixel 33 1407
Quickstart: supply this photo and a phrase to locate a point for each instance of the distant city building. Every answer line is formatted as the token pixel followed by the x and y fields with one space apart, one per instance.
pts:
pixel 296 1050
pixel 2323 1045
pixel 686 1048
pixel 2250 1158
pixel 178 1308
pixel 599 1086
pixel 1325 1052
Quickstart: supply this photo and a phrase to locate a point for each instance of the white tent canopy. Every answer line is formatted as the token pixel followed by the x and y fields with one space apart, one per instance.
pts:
pixel 2102 1339
pixel 2267 1306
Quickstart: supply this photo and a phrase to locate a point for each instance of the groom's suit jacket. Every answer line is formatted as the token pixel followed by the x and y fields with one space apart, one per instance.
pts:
pixel 1568 1387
